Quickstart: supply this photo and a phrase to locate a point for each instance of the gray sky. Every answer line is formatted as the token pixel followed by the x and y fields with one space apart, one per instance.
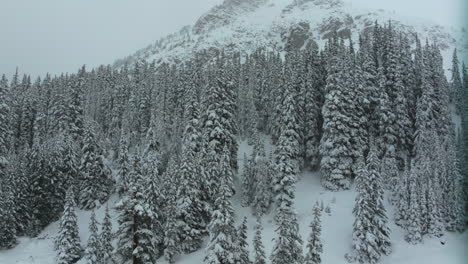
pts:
pixel 60 35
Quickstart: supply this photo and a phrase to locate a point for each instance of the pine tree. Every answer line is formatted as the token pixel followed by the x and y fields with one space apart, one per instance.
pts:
pixel 92 252
pixel 68 241
pixel 335 145
pixel 221 246
pixel 95 181
pixel 413 222
pixel 259 250
pixel 105 240
pixel 286 155
pixel 435 225
pixel 124 168
pixel 247 180
pixel 314 244
pixel 5 130
pixel 136 241
pixel 456 83
pixel 365 241
pixel 171 234
pixel 242 247
pixel 75 108
pixel 402 199
pixel 287 246
pixel 263 197
pixel 379 218
pixel 7 214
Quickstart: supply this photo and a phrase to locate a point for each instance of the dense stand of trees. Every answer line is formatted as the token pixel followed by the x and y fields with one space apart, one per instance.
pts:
pixel 375 114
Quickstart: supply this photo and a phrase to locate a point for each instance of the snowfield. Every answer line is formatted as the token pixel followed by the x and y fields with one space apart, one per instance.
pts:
pixel 336 230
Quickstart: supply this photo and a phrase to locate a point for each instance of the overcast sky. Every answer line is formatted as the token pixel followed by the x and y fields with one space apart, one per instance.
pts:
pixel 56 36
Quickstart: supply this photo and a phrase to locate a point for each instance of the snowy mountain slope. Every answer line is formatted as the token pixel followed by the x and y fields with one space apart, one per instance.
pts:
pixel 336 231
pixel 245 25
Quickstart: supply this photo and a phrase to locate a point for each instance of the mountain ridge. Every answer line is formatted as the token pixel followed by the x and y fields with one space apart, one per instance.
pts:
pixel 281 25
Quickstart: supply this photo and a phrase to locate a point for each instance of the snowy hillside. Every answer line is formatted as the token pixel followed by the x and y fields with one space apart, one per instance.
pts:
pixel 244 25
pixel 336 233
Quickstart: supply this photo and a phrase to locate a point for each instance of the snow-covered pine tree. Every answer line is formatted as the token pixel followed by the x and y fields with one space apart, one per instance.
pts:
pixel 387 135
pixel 263 195
pixel 314 244
pixel 5 130
pixel 156 199
pixel 435 225
pixel 136 241
pixel 413 221
pixel 259 249
pixel 20 186
pixel 189 206
pixel 105 239
pixel 92 251
pixel 402 199
pixel 242 247
pixel 7 215
pixel 75 108
pixel 452 191
pixel 456 83
pixel 376 193
pixel 247 180
pixel 365 241
pixel 218 121
pixel 335 145
pixel 371 235
pixel 222 245
pixel 171 230
pixel 67 243
pixel 312 109
pixel 286 155
pixel 287 246
pixel 124 167
pixel 96 183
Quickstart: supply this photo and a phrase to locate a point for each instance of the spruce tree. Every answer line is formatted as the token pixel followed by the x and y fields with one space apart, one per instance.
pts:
pixel 96 183
pixel 263 198
pixel 105 239
pixel 365 241
pixel 124 167
pixel 335 145
pixel 314 244
pixel 242 247
pixel 413 222
pixel 7 216
pixel 287 246
pixel 135 238
pixel 171 233
pixel 67 243
pixel 259 249
pixel 221 246
pixel 5 130
pixel 92 251
pixel 456 83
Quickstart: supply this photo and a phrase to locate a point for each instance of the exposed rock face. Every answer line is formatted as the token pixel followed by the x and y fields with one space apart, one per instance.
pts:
pixel 224 14
pixel 296 36
pixel 283 25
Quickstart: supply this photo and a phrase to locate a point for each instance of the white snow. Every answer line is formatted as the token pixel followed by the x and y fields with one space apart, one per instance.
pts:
pixel 263 26
pixel 336 230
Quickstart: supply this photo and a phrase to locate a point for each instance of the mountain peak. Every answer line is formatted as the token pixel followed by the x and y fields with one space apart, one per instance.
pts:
pixel 225 13
pixel 282 25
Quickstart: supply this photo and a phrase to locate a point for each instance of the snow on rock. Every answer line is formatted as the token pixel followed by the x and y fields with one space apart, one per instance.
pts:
pixel 245 25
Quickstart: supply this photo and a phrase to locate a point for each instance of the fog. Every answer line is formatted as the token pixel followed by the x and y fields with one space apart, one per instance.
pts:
pixel 58 36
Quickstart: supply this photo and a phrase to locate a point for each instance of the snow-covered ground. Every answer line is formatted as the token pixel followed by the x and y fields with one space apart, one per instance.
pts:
pixel 336 231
